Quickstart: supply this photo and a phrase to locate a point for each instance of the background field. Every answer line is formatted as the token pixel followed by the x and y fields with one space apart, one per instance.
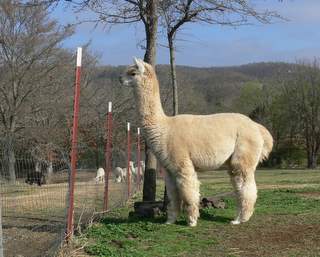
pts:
pixel 285 223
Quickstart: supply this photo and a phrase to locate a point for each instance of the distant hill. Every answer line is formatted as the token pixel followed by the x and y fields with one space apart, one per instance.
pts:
pixel 205 90
pixel 265 70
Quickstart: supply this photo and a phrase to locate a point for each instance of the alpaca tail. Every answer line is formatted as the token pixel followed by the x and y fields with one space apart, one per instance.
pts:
pixel 267 143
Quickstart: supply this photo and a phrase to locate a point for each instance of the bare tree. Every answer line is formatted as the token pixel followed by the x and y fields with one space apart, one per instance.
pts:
pixel 28 51
pixel 302 95
pixel 126 12
pixel 176 13
pixel 131 11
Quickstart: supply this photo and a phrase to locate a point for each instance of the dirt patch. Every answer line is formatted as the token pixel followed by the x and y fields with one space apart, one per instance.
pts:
pixel 281 186
pixel 276 240
pixel 312 195
pixel 31 237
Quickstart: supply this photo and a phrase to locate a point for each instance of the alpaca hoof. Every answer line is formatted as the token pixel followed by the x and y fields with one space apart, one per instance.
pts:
pixel 235 222
pixel 192 224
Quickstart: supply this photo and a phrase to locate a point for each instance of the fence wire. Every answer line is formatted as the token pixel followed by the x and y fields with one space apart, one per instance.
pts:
pixel 34 187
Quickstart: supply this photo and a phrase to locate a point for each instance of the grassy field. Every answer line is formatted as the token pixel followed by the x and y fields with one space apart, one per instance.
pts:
pixel 285 223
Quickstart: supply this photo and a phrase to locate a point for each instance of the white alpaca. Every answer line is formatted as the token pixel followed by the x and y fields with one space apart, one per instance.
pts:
pixel 118 175
pixel 142 169
pixel 124 174
pixel 187 143
pixel 132 171
pixel 100 175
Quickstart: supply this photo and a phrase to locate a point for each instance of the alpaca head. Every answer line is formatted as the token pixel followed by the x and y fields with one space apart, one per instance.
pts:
pixel 142 78
pixel 136 73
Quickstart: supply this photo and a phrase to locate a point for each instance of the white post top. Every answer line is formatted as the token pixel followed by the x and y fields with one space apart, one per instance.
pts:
pixel 138 131
pixel 79 56
pixel 128 126
pixel 110 107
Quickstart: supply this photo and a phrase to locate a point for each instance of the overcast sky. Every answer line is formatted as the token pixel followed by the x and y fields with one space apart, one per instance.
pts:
pixel 209 45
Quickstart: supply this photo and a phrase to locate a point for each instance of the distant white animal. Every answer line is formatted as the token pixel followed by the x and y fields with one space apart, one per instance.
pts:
pixel 100 175
pixel 142 169
pixel 124 173
pixel 132 168
pixel 119 174
pixel 143 166
pixel 133 171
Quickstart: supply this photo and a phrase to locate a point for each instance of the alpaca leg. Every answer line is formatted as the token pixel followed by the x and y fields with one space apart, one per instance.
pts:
pixel 174 199
pixel 243 164
pixel 188 185
pixel 246 194
pixel 237 183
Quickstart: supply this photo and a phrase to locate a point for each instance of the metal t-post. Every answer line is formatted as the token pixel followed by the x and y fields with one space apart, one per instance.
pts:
pixel 70 218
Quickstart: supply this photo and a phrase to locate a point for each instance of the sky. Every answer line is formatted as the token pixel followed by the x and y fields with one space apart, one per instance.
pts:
pixel 210 45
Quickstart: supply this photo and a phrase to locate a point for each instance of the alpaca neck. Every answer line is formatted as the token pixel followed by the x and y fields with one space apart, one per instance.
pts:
pixel 153 118
pixel 149 104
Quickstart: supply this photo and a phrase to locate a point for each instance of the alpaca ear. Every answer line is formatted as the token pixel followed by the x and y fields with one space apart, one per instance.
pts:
pixel 139 64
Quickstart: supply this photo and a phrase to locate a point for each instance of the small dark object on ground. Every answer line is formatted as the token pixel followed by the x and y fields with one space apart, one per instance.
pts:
pixel 215 202
pixel 152 209
pixel 147 209
pixel 36 177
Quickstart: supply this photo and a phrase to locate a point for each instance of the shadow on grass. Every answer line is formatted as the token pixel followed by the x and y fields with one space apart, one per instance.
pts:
pixel 130 220
pixel 121 220
pixel 204 215
pixel 182 221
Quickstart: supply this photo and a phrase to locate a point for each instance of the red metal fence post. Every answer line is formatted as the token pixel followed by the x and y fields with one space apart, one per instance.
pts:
pixel 128 159
pixel 76 105
pixel 138 158
pixel 108 156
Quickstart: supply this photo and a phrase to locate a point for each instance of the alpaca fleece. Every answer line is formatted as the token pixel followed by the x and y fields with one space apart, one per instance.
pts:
pixel 185 144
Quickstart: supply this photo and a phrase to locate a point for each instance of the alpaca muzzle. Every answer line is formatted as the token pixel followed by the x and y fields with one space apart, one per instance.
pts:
pixel 124 81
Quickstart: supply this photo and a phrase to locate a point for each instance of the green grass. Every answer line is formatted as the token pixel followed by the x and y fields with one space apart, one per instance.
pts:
pixel 285 223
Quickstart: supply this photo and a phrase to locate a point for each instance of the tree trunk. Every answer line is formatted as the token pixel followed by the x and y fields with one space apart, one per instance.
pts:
pixel 151 29
pixel 312 160
pixel 174 97
pixel 38 166
pixel 150 176
pixel 49 171
pixel 173 76
pixel 12 162
pixel 9 158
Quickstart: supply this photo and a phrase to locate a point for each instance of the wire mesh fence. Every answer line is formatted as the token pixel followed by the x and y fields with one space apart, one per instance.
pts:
pixel 35 191
pixel 33 199
pixel 54 177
